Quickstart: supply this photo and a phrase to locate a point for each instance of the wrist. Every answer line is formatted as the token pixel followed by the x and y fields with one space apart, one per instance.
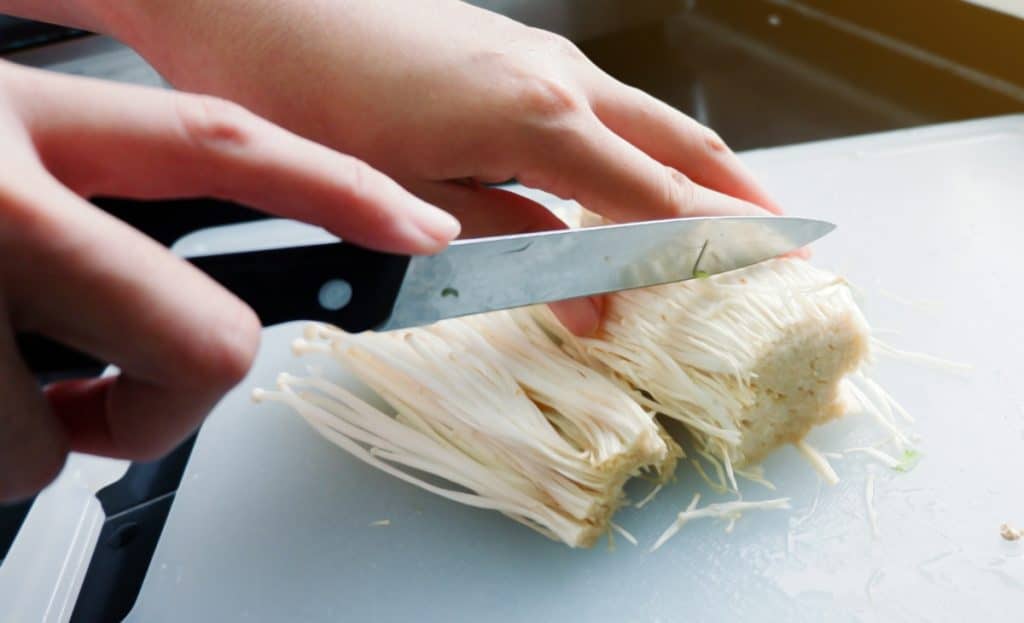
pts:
pixel 124 20
pixel 150 27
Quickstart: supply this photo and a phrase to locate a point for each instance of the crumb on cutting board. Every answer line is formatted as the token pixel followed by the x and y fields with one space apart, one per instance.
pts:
pixel 1010 533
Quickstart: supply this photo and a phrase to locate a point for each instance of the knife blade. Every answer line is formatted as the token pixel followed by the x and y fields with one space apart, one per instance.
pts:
pixel 488 274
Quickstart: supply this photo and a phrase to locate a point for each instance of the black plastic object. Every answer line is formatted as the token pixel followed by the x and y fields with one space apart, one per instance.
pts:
pixel 120 562
pixel 295 283
pixel 144 482
pixel 16 34
pixel 136 507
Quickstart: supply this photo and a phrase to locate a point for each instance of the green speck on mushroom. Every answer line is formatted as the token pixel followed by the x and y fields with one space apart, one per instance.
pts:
pixel 908 461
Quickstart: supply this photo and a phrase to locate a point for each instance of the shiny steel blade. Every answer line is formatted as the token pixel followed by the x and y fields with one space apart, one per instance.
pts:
pixel 487 274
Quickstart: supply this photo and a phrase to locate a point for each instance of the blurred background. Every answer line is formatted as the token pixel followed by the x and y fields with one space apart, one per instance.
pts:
pixel 761 72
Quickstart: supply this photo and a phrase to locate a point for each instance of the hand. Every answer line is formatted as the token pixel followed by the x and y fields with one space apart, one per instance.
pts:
pixel 436 92
pixel 80 276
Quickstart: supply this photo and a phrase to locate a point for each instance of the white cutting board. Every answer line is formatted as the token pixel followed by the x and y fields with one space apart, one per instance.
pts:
pixel 273 524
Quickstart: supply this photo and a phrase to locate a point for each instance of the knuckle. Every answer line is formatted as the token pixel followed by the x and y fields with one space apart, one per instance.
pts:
pixel 552 180
pixel 551 146
pixel 712 142
pixel 559 44
pixel 357 177
pixel 213 123
pixel 368 191
pixel 544 97
pixel 679 192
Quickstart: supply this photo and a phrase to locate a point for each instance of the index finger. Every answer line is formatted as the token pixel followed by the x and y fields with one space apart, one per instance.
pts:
pixel 144 143
pixel 678 141
pixel 610 176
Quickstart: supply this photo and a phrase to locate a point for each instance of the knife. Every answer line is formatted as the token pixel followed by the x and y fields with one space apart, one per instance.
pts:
pixel 359 289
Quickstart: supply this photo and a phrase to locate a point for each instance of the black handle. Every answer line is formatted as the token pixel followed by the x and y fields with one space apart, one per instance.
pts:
pixel 339 283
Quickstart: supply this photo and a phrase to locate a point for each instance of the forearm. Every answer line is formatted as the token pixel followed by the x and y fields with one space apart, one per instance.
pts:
pixel 74 13
pixel 126 20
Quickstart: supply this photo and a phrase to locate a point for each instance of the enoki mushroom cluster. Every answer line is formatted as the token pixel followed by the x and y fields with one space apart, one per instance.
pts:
pixel 507 411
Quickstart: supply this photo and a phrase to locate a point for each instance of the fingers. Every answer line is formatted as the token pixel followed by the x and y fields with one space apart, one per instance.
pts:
pixel 485 211
pixel 33 445
pixel 126 417
pixel 146 143
pixel 492 212
pixel 581 316
pixel 88 280
pixel 610 176
pixel 677 141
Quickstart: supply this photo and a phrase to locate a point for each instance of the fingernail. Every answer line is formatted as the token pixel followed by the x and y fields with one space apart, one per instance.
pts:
pixel 771 205
pixel 581 316
pixel 434 222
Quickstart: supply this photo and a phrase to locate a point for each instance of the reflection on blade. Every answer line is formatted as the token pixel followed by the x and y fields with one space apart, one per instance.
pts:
pixel 709 249
pixel 475 276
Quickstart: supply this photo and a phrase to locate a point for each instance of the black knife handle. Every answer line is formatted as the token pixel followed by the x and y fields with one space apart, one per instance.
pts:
pixel 339 283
